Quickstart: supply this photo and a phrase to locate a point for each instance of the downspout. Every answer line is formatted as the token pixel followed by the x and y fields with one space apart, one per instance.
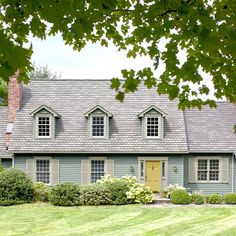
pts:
pixel 232 173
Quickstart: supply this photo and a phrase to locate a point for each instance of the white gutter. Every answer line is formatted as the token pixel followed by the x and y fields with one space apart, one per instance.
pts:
pixel 233 155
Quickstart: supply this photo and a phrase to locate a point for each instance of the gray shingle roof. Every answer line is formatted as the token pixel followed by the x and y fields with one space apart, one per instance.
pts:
pixel 3 126
pixel 73 98
pixel 211 130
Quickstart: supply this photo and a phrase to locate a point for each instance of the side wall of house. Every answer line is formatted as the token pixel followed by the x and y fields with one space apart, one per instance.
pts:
pixel 207 188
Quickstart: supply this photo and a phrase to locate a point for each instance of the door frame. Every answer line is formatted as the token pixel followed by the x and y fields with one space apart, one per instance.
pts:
pixel 142 169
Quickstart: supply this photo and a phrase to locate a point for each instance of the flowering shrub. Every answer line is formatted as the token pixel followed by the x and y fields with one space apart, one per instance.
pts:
pixel 170 189
pixel 42 191
pixel 127 190
pixel 140 193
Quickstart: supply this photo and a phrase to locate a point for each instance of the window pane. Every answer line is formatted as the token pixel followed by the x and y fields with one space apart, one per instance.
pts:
pixel 202 175
pixel 163 169
pixel 97 170
pixel 98 126
pixel 142 169
pixel 214 175
pixel 44 126
pixel 214 164
pixel 152 127
pixel 202 164
pixel 43 171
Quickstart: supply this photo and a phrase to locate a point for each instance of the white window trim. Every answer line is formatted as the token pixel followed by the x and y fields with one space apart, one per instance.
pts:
pixel 159 126
pixel 50 167
pixel 208 169
pixel 91 126
pixel 37 124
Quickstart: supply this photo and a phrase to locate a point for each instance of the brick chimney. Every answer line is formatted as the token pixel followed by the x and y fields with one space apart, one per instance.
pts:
pixel 14 103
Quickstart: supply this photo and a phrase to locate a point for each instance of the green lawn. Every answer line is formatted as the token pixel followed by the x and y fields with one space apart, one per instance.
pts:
pixel 44 219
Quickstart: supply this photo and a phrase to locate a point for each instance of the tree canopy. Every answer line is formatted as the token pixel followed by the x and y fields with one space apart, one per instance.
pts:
pixel 205 29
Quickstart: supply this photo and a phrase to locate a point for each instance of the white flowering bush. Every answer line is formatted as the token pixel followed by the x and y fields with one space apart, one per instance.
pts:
pixel 127 190
pixel 170 189
pixel 140 193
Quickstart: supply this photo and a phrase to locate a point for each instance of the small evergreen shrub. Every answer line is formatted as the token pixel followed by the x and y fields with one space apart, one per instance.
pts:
pixel 15 187
pixel 197 199
pixel 1 167
pixel 230 198
pixel 118 189
pixel 41 192
pixel 214 199
pixel 180 196
pixel 65 194
pixel 95 194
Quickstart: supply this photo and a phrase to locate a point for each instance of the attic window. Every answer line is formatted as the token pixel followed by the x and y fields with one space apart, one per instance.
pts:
pixel 44 126
pixel 152 128
pixel 98 126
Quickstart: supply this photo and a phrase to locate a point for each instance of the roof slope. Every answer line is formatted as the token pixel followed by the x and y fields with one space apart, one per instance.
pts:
pixel 73 98
pixel 211 130
pixel 3 126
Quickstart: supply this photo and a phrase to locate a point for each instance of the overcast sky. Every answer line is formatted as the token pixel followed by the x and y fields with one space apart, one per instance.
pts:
pixel 93 62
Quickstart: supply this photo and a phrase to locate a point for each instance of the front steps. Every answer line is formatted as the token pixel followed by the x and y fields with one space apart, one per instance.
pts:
pixel 160 200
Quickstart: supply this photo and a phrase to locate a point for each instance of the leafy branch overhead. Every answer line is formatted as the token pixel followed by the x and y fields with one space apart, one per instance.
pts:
pixel 204 29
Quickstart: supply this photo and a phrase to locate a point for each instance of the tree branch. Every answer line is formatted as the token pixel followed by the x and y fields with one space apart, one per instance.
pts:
pixel 167 12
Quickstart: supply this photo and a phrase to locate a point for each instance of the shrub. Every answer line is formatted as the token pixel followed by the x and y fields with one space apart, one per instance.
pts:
pixel 95 194
pixel 214 199
pixel 180 196
pixel 41 192
pixel 170 188
pixel 15 187
pixel 197 199
pixel 1 167
pixel 140 193
pixel 118 189
pixel 65 194
pixel 230 198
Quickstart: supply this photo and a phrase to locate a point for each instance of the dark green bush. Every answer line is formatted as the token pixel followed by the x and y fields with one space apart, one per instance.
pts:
pixel 15 187
pixel 180 197
pixel 41 192
pixel 214 199
pixel 95 194
pixel 197 199
pixel 65 194
pixel 230 198
pixel 118 189
pixel 1 167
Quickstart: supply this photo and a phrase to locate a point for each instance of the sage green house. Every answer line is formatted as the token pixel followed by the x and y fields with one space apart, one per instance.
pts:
pixel 75 131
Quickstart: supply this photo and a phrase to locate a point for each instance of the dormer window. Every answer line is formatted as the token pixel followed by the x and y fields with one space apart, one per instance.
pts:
pixel 152 126
pixel 44 122
pixel 44 126
pixel 152 123
pixel 98 122
pixel 98 126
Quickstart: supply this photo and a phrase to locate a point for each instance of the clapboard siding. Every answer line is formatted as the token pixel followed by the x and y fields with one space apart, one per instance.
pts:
pixel 20 161
pixel 122 165
pixel 175 177
pixel 208 188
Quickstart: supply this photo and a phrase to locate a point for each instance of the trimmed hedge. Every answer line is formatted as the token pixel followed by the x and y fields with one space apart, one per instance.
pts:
pixel 214 199
pixel 230 198
pixel 179 196
pixel 42 192
pixel 95 194
pixel 65 194
pixel 198 199
pixel 15 187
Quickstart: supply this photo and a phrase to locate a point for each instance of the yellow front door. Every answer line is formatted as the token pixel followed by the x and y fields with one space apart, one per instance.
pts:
pixel 153 175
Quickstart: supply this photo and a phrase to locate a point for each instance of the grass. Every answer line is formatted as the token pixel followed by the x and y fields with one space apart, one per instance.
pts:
pixel 43 219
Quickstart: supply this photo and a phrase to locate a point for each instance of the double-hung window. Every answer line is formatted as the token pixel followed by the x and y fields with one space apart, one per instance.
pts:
pixel 208 170
pixel 152 129
pixel 44 126
pixel 98 126
pixel 43 171
pixel 97 170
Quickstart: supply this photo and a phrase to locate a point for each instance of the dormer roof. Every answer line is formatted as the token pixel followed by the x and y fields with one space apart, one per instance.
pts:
pixel 140 115
pixel 98 107
pixel 47 108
